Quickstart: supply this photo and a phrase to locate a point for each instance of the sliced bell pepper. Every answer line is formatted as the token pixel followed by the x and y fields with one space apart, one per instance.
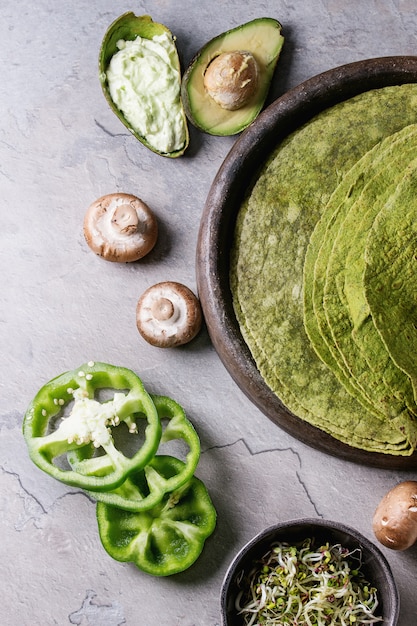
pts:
pixel 67 414
pixel 143 489
pixel 167 538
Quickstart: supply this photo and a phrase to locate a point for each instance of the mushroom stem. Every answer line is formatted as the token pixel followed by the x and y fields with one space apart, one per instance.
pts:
pixel 125 219
pixel 162 309
pixel 168 314
pixel 120 227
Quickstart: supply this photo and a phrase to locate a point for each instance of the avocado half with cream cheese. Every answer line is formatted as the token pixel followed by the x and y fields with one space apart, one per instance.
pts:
pixel 226 84
pixel 140 75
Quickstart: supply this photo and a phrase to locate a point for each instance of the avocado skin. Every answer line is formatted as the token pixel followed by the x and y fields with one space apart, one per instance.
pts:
pixel 128 26
pixel 263 38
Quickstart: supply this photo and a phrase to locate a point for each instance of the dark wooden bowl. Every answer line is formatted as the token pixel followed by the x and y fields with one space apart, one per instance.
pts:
pixel 218 222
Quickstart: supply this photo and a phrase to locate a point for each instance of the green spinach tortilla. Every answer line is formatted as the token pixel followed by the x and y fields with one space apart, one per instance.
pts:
pixel 272 235
pixel 391 274
pixel 370 361
pixel 325 263
pixel 344 303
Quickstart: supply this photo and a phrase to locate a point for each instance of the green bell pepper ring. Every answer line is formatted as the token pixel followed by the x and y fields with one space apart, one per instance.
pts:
pixel 145 488
pixel 50 433
pixel 166 539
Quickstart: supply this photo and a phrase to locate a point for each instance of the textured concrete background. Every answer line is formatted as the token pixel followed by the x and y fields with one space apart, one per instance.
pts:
pixel 60 148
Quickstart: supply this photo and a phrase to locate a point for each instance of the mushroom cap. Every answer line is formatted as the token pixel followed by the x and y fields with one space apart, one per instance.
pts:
pixel 168 314
pixel 231 79
pixel 120 227
pixel 395 519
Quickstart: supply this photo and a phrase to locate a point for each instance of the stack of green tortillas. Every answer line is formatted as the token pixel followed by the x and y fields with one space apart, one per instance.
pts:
pixel 324 271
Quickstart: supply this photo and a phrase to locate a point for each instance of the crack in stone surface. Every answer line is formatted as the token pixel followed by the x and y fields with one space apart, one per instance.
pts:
pixel 29 501
pixel 269 450
pixel 33 508
pixel 313 504
pixel 253 452
pixel 108 132
pixel 97 614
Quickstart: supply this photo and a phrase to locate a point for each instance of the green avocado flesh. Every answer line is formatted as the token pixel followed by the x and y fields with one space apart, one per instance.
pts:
pixel 140 76
pixel 262 37
pixel 323 271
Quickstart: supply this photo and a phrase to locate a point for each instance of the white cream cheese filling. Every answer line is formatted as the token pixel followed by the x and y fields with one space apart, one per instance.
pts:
pixel 144 84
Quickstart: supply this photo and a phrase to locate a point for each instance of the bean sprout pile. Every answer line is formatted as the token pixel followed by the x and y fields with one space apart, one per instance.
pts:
pixel 308 586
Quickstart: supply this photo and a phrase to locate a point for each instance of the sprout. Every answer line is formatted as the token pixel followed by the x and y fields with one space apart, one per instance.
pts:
pixel 308 585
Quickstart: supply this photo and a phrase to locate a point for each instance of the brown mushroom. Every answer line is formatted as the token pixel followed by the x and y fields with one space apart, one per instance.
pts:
pixel 231 79
pixel 168 314
pixel 395 519
pixel 120 227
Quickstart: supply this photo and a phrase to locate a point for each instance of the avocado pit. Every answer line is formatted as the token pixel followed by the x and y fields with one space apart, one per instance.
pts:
pixel 224 88
pixel 231 79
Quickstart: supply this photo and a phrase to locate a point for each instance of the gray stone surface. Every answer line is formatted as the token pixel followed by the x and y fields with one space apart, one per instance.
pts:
pixel 60 305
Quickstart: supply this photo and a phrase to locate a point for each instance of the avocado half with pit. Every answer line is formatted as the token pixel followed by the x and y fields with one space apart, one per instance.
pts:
pixel 260 41
pixel 170 115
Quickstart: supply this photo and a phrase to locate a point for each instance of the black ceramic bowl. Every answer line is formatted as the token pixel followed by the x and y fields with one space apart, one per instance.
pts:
pixel 374 564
